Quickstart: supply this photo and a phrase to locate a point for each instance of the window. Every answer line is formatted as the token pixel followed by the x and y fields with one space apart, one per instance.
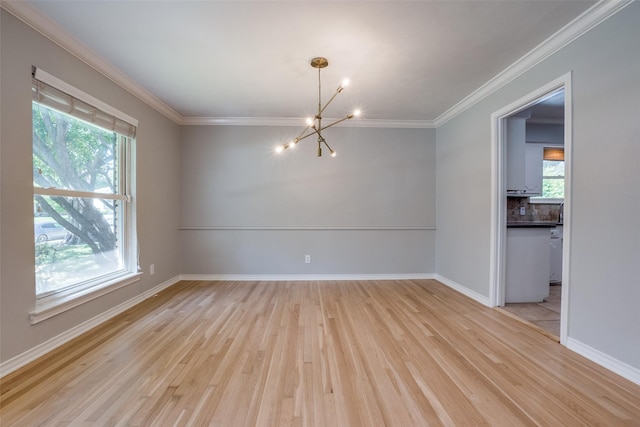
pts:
pixel 83 216
pixel 553 173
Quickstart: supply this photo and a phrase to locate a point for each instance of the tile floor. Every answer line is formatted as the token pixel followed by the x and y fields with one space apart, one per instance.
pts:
pixel 545 314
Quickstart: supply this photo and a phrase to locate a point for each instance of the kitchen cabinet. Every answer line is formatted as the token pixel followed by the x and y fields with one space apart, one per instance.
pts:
pixel 533 168
pixel 527 264
pixel 524 161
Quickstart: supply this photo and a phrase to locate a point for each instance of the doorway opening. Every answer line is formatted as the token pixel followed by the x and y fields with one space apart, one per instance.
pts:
pixel 528 205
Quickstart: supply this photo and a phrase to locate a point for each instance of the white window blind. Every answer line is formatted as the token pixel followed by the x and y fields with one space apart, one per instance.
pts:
pixel 54 93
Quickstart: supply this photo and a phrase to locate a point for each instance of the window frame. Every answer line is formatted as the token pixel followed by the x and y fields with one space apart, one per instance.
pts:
pixel 52 303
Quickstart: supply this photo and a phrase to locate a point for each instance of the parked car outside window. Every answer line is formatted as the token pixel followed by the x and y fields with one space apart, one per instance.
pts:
pixel 50 230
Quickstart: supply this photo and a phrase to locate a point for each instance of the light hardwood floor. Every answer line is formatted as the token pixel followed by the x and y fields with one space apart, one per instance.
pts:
pixel 357 353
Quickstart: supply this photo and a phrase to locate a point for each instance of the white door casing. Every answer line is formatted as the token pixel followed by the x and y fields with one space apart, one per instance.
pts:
pixel 498 194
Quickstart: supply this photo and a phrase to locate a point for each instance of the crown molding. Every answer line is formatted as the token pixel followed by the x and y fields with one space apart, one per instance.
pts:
pixel 299 121
pixel 31 16
pixel 402 124
pixel 589 19
pixel 570 32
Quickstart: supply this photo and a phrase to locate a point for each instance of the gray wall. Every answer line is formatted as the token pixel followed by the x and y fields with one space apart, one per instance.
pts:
pixel 157 196
pixel 246 210
pixel 605 296
pixel 372 210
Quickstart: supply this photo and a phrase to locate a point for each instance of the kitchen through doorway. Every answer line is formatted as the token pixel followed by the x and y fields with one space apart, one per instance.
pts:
pixel 532 145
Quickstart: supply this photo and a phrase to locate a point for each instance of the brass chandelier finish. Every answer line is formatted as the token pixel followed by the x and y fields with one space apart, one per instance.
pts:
pixel 319 62
pixel 314 124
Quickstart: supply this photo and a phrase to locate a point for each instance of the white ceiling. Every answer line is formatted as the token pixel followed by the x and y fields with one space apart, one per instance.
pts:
pixel 407 60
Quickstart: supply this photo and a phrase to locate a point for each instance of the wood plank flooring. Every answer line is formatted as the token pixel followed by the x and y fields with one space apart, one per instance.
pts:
pixel 356 353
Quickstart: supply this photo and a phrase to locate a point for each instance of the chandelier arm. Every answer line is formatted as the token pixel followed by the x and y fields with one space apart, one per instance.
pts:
pixel 321 139
pixel 299 137
pixel 317 131
pixel 313 132
pixel 348 117
pixel 325 143
pixel 329 102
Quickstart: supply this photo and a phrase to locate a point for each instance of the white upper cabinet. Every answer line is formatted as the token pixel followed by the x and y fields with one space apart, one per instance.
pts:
pixel 533 155
pixel 524 161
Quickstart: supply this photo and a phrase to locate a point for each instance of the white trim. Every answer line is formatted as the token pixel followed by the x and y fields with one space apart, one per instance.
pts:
pixel 463 290
pixel 31 16
pixel 32 354
pixel 574 29
pixel 570 32
pixel 304 277
pixel 561 38
pixel 498 199
pixel 299 122
pixel 306 227
pixel 497 240
pixel 567 209
pixel 624 370
pixel 55 304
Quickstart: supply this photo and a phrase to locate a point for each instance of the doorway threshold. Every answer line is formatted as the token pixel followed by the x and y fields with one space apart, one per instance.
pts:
pixel 533 326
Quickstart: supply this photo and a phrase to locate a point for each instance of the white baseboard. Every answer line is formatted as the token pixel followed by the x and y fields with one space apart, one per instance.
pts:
pixel 614 365
pixel 32 354
pixel 463 290
pixel 303 277
pixel 604 360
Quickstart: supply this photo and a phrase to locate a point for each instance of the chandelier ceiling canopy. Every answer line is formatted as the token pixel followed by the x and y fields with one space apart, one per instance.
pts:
pixel 314 124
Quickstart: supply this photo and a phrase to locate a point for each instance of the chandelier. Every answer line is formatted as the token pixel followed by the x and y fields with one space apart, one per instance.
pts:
pixel 314 124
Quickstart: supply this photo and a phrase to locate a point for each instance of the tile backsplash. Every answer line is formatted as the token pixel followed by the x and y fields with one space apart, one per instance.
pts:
pixel 533 212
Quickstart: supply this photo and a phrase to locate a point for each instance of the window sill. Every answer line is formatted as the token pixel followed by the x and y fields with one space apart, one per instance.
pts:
pixel 53 305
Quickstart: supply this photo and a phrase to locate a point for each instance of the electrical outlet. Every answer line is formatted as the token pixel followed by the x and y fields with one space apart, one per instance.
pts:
pixel 523 210
pixel 152 269
pixel 307 259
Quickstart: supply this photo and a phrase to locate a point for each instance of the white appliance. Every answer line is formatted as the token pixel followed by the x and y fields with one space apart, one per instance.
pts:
pixel 527 264
pixel 555 256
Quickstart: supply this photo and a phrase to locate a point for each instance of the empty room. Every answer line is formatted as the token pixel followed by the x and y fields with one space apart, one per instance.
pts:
pixel 319 213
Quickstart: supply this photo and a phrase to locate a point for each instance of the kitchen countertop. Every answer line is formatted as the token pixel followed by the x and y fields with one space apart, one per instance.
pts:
pixel 532 224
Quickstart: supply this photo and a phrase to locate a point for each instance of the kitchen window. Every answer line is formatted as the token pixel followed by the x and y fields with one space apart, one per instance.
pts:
pixel 552 176
pixel 84 219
